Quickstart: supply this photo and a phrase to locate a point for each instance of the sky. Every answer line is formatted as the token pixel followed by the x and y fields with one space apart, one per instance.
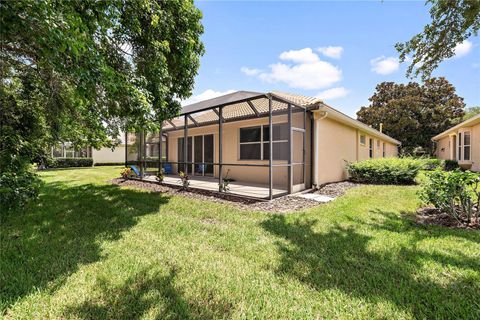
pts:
pixel 337 51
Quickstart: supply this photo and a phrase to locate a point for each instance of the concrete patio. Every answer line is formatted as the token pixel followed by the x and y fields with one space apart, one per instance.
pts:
pixel 211 184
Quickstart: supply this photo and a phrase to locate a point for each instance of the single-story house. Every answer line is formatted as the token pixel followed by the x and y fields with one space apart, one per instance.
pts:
pixel 99 156
pixel 270 144
pixel 461 143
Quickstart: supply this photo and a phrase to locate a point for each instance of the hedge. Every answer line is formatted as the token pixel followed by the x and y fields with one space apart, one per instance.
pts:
pixel 386 170
pixel 109 164
pixel 69 162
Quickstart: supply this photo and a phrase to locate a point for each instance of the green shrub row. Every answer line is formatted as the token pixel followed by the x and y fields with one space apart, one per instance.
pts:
pixel 69 162
pixel 97 164
pixel 386 170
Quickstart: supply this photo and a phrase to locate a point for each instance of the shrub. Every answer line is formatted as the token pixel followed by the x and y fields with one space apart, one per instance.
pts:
pixel 17 189
pixel 456 193
pixel 98 164
pixel 431 163
pixel 450 165
pixel 224 185
pixel 385 170
pixel 126 173
pixel 161 175
pixel 69 162
pixel 184 179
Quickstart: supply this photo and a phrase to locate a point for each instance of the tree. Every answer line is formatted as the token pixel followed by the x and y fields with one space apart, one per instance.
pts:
pixel 414 113
pixel 471 112
pixel 453 21
pixel 84 70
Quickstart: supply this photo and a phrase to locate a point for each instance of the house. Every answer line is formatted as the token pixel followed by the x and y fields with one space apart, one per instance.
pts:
pixel 99 156
pixel 461 143
pixel 265 144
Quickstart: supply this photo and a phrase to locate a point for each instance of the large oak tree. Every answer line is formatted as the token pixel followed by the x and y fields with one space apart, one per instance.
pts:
pixel 414 113
pixel 83 70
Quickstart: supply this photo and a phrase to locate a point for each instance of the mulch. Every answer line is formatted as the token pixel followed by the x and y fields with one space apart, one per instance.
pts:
pixel 279 205
pixel 336 189
pixel 432 216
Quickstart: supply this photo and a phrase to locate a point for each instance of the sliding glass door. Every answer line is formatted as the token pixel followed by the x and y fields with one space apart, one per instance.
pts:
pixel 200 152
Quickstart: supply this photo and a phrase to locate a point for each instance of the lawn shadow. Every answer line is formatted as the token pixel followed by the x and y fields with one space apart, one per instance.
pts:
pixel 341 259
pixel 42 246
pixel 146 293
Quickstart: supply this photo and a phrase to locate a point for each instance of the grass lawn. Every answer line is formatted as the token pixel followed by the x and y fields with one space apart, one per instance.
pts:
pixel 93 250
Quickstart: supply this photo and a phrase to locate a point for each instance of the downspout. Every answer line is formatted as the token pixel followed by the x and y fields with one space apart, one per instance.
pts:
pixel 316 138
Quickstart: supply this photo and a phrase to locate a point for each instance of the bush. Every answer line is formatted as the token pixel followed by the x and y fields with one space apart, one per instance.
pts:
pixel 17 189
pixel 385 170
pixel 431 164
pixel 69 162
pixel 456 193
pixel 126 173
pixel 450 165
pixel 97 164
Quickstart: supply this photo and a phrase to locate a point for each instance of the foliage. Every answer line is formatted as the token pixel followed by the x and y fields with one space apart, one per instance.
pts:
pixel 385 170
pixel 471 112
pixel 452 23
pixel 414 113
pixel 101 164
pixel 224 185
pixel 68 162
pixel 430 164
pixel 82 71
pixel 17 189
pixel 450 165
pixel 456 193
pixel 161 175
pixel 185 180
pixel 126 173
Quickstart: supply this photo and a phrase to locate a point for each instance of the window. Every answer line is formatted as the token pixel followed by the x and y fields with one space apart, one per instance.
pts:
pixel 363 139
pixel 254 142
pixel 459 154
pixel 370 147
pixel 466 145
pixel 378 144
pixel 383 150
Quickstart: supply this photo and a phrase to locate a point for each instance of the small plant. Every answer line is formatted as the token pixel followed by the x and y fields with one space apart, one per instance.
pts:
pixel 126 173
pixel 456 193
pixel 224 185
pixel 450 165
pixel 161 175
pixel 184 179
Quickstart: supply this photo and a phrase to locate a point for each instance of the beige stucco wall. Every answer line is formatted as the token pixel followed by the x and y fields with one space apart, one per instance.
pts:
pixel 476 148
pixel 339 144
pixel 106 155
pixel 443 148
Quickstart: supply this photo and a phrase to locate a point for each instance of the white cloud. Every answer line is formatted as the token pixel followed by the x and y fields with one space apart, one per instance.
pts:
pixel 463 48
pixel 205 95
pixel 384 65
pixel 306 70
pixel 250 71
pixel 305 55
pixel 332 52
pixel 332 93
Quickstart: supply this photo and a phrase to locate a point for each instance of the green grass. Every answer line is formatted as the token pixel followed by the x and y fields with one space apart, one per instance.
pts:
pixel 88 249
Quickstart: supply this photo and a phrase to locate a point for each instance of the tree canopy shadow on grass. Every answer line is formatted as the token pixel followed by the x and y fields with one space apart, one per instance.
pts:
pixel 146 293
pixel 42 246
pixel 340 259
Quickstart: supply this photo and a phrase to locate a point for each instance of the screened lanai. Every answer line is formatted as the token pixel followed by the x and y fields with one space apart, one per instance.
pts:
pixel 258 142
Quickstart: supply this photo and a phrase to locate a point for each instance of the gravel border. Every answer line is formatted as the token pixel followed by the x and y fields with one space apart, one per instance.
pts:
pixel 283 204
pixel 336 189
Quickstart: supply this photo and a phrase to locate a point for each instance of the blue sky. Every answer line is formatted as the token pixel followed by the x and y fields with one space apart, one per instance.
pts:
pixel 337 51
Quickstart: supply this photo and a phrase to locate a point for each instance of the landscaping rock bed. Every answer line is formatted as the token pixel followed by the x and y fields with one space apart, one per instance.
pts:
pixel 279 205
pixel 336 189
pixel 432 216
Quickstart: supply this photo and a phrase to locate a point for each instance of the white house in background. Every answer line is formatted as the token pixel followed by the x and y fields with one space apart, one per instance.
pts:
pixel 99 156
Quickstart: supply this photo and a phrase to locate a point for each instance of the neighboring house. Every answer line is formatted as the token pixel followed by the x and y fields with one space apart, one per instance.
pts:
pixel 230 135
pixel 461 143
pixel 102 155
